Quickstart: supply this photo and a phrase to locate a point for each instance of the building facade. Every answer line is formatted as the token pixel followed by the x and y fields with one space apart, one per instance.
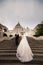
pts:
pixel 18 29
pixel 3 29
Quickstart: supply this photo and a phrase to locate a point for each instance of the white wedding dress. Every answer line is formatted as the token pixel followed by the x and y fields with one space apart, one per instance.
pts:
pixel 24 53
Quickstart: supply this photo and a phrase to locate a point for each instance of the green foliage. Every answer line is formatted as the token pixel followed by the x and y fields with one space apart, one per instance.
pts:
pixel 39 32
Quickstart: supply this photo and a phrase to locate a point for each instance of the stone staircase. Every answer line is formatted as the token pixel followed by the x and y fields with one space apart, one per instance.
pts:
pixel 8 56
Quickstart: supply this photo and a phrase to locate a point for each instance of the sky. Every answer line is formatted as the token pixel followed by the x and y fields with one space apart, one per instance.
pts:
pixel 28 13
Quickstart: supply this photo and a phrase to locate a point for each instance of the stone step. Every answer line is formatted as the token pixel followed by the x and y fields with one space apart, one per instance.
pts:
pixel 37 47
pixel 14 51
pixel 21 63
pixel 36 60
pixel 10 58
pixel 31 48
pixel 7 51
pixel 33 62
pixel 11 52
pixel 14 54
pixel 13 57
pixel 7 55
pixel 37 51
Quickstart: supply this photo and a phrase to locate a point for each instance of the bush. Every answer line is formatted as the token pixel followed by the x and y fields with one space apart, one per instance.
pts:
pixel 39 32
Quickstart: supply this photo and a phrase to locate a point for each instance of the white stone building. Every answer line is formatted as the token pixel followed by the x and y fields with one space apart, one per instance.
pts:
pixel 3 29
pixel 18 29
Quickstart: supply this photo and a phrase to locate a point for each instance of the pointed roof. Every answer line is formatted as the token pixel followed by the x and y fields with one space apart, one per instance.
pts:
pixel 2 26
pixel 39 26
pixel 18 25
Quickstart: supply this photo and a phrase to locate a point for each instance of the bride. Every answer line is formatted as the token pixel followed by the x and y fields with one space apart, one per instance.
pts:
pixel 24 53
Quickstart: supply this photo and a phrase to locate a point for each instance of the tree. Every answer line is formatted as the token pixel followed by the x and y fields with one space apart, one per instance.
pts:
pixel 39 32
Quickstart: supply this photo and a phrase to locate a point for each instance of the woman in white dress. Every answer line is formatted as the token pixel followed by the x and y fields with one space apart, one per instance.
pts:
pixel 24 53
